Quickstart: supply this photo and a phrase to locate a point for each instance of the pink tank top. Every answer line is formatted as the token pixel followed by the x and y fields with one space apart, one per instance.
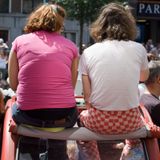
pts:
pixel 44 76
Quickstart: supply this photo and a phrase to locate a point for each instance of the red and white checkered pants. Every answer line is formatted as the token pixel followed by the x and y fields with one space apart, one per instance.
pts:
pixel 108 122
pixel 111 122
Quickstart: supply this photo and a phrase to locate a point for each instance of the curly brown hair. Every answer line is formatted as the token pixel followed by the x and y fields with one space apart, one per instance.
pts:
pixel 47 17
pixel 114 22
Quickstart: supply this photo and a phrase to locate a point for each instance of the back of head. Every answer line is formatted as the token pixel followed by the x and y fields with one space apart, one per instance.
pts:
pixel 47 17
pixel 114 22
pixel 154 68
pixel 1 41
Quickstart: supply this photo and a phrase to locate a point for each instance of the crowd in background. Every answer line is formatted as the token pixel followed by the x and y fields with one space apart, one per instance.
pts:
pixel 152 50
pixel 4 52
pixel 4 85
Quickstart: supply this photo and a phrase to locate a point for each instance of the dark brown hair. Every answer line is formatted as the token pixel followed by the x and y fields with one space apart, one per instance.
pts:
pixel 114 22
pixel 47 17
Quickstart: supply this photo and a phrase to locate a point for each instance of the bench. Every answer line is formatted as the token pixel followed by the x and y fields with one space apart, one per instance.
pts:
pixel 11 132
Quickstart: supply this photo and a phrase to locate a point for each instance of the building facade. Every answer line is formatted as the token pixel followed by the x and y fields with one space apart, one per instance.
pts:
pixel 13 14
pixel 147 13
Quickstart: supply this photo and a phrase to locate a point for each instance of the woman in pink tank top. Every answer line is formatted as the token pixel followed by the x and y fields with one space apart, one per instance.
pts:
pixel 43 72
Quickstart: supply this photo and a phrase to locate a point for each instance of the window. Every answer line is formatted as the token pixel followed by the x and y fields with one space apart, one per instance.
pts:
pixel 73 37
pixel 70 35
pixel 29 5
pixel 16 6
pixel 4 35
pixel 4 6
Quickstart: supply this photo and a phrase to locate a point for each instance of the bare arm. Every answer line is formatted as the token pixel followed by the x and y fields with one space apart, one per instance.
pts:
pixel 13 70
pixel 74 71
pixel 86 89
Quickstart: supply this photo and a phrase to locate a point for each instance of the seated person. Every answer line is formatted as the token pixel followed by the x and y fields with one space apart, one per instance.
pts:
pixel 43 72
pixel 111 70
pixel 150 96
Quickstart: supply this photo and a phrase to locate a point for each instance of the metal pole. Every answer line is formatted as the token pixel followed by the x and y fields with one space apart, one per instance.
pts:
pixel 10 6
pixel 21 6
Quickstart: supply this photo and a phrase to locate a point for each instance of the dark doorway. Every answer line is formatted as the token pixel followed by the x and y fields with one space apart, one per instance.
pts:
pixel 4 35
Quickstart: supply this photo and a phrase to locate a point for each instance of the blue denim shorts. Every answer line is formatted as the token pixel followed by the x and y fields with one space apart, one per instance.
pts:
pixel 21 116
